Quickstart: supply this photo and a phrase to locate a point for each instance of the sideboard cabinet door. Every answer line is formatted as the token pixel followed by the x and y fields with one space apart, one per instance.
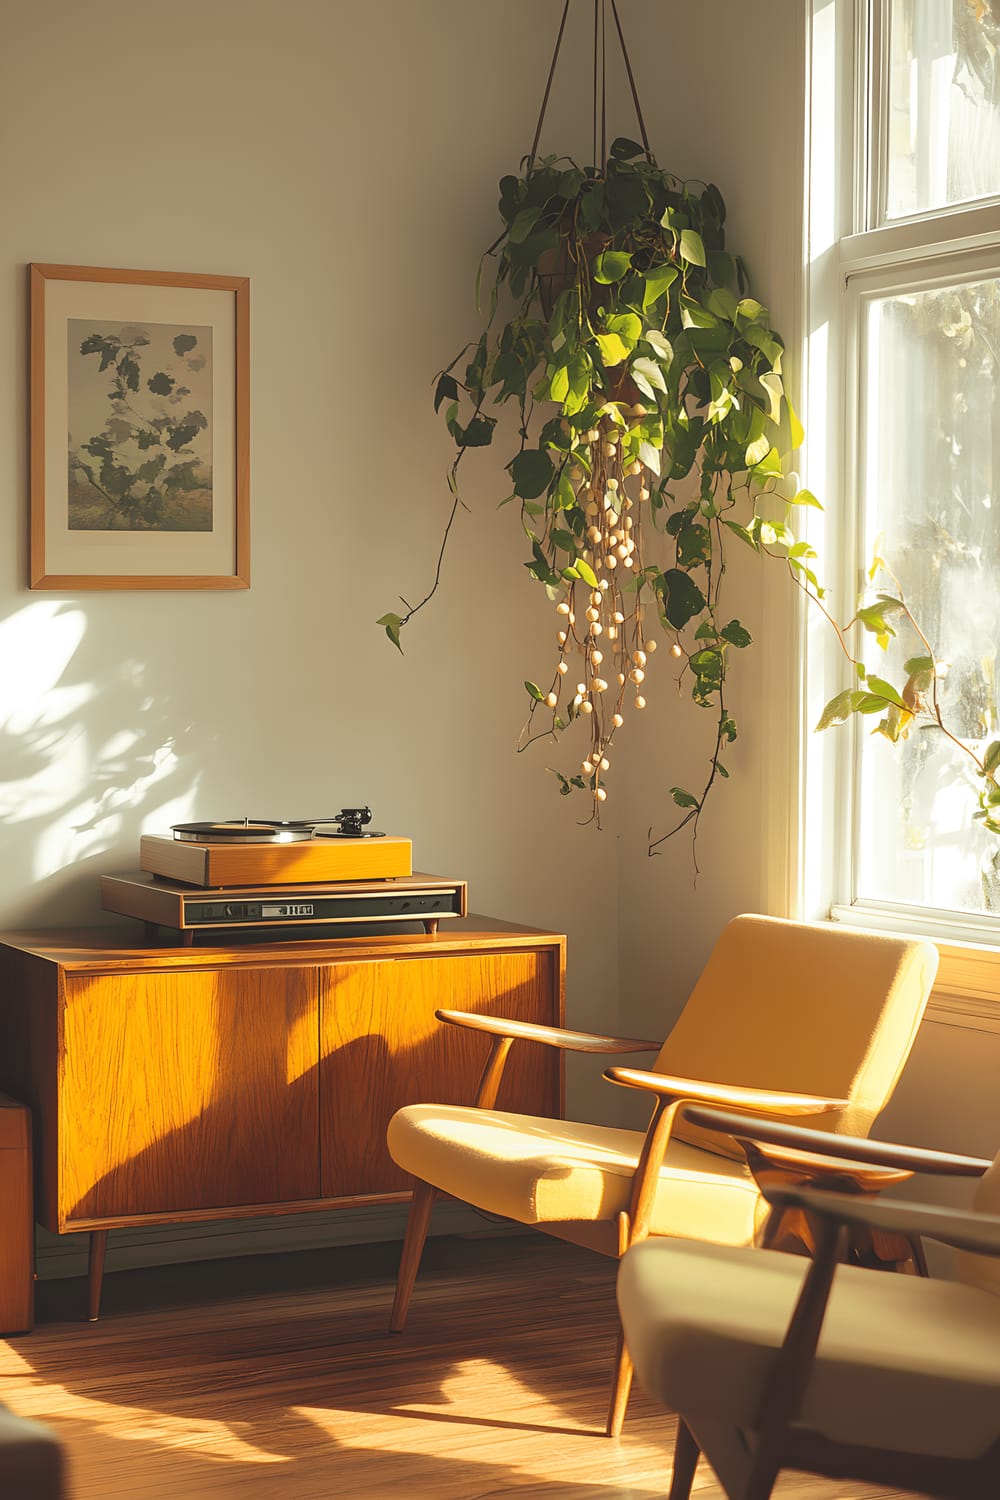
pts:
pixel 381 1047
pixel 182 1091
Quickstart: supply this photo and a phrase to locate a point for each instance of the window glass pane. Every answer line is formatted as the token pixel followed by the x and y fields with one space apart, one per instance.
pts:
pixel 943 104
pixel 931 502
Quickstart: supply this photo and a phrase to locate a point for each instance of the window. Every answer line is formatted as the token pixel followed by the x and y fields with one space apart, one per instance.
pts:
pixel 918 270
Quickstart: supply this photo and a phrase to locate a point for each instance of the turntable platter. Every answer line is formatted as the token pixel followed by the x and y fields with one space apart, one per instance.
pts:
pixel 242 831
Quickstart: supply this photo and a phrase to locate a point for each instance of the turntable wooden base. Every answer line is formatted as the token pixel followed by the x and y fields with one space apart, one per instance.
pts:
pixel 227 864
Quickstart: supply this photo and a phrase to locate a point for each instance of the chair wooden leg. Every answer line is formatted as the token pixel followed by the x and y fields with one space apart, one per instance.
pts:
pixel 686 1456
pixel 416 1233
pixel 621 1385
pixel 95 1272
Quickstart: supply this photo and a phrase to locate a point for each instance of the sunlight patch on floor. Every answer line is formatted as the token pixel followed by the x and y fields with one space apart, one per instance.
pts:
pixel 495 1415
pixel 131 1424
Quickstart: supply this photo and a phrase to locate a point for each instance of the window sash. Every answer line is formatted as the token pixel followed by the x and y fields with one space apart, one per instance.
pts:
pixel 879 258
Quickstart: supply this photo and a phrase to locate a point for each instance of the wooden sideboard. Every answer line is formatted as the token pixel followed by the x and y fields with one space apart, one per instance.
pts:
pixel 172 1084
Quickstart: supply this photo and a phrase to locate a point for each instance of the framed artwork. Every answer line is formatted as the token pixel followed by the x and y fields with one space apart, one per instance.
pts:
pixel 140 441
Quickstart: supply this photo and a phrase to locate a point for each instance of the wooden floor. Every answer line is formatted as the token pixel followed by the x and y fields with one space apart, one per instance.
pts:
pixel 273 1376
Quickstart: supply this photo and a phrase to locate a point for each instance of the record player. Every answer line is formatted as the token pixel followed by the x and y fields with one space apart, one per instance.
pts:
pixel 285 877
pixel 270 851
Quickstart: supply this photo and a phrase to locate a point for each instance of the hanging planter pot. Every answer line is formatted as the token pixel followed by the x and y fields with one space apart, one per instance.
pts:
pixel 647 381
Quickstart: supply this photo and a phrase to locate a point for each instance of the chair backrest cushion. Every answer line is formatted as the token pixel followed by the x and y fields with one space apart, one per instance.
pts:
pixel 811 1007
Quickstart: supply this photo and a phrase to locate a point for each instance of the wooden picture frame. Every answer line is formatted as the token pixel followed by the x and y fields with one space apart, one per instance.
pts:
pixel 140 429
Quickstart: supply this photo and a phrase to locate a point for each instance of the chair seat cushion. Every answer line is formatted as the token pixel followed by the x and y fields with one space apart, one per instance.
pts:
pixel 545 1171
pixel 903 1362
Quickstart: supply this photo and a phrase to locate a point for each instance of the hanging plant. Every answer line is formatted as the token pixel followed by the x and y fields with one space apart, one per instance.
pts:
pixel 650 400
pixel 647 382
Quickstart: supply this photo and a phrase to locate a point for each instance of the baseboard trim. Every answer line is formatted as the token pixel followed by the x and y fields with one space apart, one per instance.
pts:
pixel 62 1255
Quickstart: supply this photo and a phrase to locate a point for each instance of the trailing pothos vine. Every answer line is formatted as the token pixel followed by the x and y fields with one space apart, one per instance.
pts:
pixel 648 386
pixel 916 703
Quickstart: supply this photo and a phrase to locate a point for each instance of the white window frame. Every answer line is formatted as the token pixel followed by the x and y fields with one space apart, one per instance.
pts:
pixel 850 263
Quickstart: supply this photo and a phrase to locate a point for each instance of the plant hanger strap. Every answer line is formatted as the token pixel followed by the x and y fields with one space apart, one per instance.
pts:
pixel 631 81
pixel 548 87
pixel 600 82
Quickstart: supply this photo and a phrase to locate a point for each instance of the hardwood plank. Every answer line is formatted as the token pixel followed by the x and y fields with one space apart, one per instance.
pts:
pixel 274 1376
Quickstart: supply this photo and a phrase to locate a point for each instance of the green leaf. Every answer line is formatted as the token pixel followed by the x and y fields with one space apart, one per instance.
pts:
pixel 682 598
pixel 447 390
pixel 992 758
pixel 649 456
pixel 648 375
pixel 534 691
pixel 796 429
pixel 523 224
pixel 885 690
pixel 660 345
pixel 768 467
pixel 875 618
pixel 722 303
pixel 657 280
pixel 586 572
pixel 623 149
pixel 392 624
pixel 757 451
pixel 918 664
pixel 559 384
pixel 611 265
pixel 478 434
pixel 683 798
pixel 532 473
pixel 628 325
pixel 775 390
pixel 692 247
pixel 736 634
pixel 839 709
pixel 613 350
pixel 805 497
pixel 750 309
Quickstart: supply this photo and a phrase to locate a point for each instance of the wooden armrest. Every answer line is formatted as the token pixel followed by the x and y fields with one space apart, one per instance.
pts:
pixel 553 1036
pixel 962 1228
pixel 668 1087
pixel 836 1149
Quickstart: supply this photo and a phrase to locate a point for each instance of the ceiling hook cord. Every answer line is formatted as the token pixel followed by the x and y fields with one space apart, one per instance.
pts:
pixel 548 87
pixel 631 80
pixel 600 83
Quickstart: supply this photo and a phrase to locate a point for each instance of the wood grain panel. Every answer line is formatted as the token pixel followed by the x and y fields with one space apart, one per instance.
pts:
pixel 187 1091
pixel 17 1221
pixel 237 863
pixel 381 1047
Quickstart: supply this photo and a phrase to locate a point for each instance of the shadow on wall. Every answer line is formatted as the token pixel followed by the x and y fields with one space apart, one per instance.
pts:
pixel 90 758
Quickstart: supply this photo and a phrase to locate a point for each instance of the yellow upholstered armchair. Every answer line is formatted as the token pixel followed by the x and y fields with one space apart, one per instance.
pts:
pixel 824 1365
pixel 787 1019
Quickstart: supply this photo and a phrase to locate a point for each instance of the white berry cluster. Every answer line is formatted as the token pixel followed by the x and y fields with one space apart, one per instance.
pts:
pixel 603 623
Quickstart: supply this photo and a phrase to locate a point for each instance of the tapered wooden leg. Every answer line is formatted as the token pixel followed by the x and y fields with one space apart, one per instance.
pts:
pixel 686 1456
pixel 621 1385
pixel 416 1233
pixel 95 1272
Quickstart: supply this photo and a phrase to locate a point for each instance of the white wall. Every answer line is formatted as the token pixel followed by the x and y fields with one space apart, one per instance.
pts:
pixel 346 159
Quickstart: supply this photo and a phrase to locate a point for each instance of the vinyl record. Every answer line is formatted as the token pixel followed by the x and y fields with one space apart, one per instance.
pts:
pixel 239 831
